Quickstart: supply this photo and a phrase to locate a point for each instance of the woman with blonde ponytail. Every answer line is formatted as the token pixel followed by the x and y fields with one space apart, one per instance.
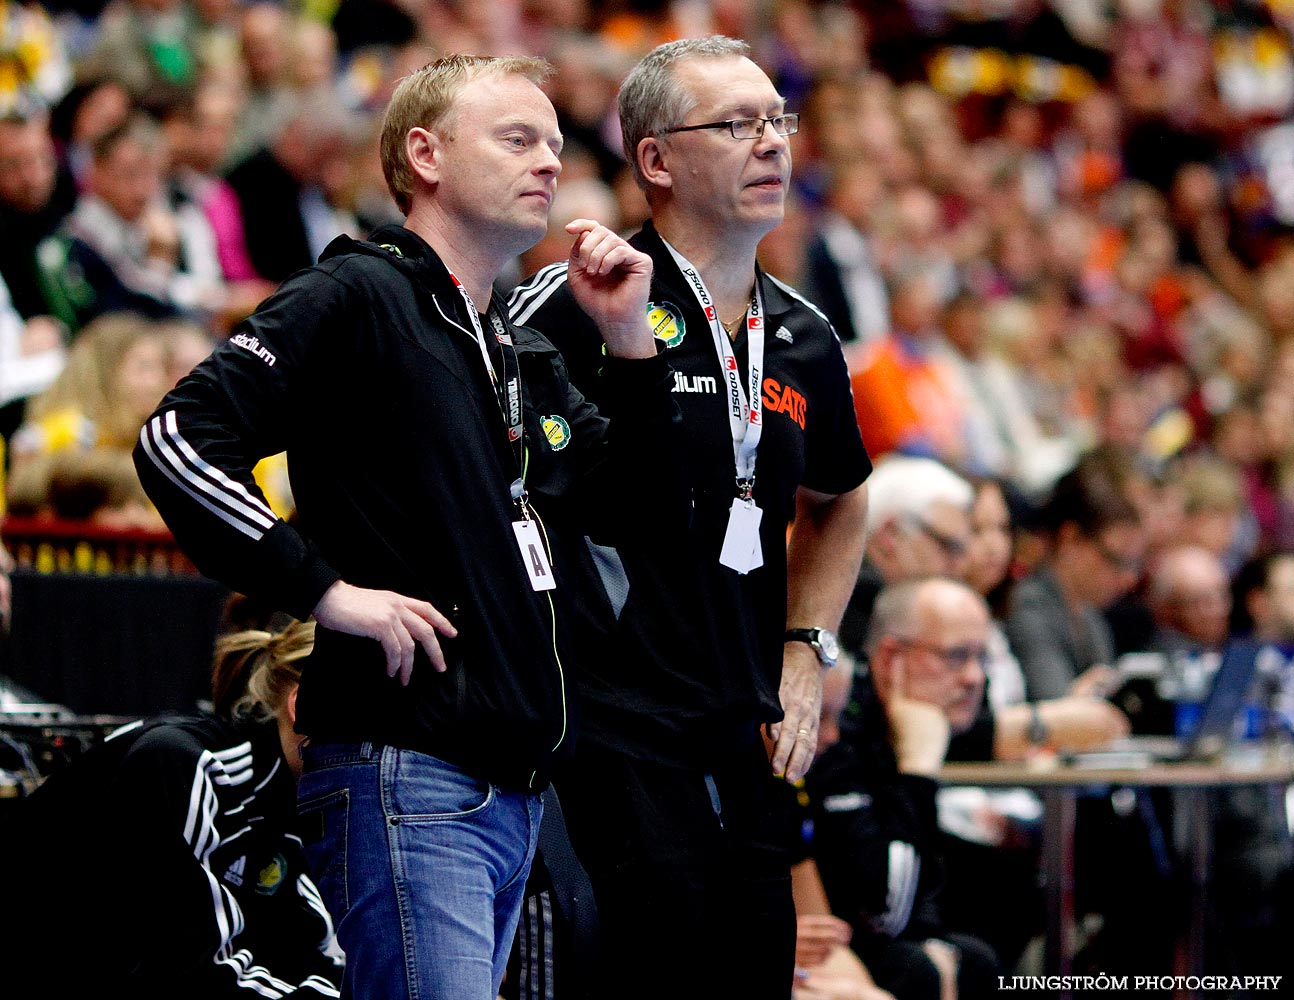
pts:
pixel 254 679
pixel 173 849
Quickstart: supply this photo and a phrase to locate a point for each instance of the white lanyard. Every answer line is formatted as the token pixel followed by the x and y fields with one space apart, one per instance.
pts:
pixel 745 405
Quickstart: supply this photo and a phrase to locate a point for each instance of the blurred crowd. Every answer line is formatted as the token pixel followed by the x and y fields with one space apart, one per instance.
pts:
pixel 1046 232
pixel 1038 227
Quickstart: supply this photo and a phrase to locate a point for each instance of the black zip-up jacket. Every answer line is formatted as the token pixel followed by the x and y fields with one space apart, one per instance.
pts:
pixel 366 371
pixel 165 863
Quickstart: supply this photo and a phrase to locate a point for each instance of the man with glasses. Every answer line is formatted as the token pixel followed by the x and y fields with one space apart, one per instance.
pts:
pixel 918 525
pixel 875 835
pixel 691 649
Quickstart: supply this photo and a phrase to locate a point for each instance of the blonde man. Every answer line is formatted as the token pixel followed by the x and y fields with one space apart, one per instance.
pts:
pixel 436 452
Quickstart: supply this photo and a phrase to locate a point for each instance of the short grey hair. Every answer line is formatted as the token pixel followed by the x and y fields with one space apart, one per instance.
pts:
pixel 651 98
pixel 903 486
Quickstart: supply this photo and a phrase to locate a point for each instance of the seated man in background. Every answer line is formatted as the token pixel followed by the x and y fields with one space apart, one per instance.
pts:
pixel 875 832
pixel 924 520
pixel 1190 600
pixel 174 846
pixel 1188 597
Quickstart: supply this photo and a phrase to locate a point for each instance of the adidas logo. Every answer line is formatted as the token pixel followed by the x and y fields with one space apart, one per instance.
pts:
pixel 784 334
pixel 234 873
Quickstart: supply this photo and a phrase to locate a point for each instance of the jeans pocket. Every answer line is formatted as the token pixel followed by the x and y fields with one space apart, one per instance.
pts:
pixel 324 822
pixel 428 790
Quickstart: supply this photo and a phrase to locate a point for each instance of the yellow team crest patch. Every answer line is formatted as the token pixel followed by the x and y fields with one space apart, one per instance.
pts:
pixel 269 878
pixel 667 323
pixel 556 431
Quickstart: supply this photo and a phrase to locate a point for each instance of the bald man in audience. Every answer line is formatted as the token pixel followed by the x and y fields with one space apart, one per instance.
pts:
pixel 1190 600
pixel 876 837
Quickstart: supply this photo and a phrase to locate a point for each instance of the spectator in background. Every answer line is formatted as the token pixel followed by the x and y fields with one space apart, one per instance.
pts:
pixel 97 487
pixel 1254 856
pixel 918 525
pixel 194 841
pixel 114 377
pixel 31 356
pixel 1096 547
pixel 287 190
pixel 842 276
pixel 119 250
pixel 35 194
pixel 263 37
pixel 1216 515
pixel 186 345
pixel 88 112
pixel 144 45
pixel 905 392
pixel 208 217
pixel 1265 599
pixel 1003 438
pixel 1071 723
pixel 1189 596
pixel 989 845
pixel 875 835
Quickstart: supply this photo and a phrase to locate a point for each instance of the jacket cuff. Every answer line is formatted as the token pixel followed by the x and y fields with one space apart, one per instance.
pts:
pixel 634 377
pixel 314 579
pixel 301 586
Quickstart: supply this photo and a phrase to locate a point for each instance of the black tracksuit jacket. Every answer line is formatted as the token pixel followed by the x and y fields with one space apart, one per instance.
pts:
pixel 365 370
pixel 165 863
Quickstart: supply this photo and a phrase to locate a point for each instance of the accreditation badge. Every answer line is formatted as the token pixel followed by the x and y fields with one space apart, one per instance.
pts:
pixel 534 555
pixel 741 548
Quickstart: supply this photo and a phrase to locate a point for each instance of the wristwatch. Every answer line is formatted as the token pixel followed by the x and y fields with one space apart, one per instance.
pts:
pixel 822 640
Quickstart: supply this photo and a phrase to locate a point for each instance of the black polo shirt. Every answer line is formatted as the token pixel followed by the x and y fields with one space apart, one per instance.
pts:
pixel 681 657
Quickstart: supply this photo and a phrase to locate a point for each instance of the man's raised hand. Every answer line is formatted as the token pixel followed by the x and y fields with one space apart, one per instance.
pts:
pixel 611 281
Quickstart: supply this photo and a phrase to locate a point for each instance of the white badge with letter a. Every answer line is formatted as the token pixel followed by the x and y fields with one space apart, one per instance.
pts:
pixel 741 549
pixel 533 555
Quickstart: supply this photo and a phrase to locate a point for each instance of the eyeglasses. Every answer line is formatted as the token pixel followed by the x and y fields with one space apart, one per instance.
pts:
pixel 749 128
pixel 954 658
pixel 1121 562
pixel 953 546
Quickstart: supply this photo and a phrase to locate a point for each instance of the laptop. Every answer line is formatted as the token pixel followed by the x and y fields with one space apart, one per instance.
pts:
pixel 1211 735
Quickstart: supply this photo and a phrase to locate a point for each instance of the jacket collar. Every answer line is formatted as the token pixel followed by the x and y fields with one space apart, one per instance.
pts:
pixel 409 253
pixel 776 302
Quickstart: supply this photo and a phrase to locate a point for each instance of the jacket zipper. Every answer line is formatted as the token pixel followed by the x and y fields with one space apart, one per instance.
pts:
pixel 526 512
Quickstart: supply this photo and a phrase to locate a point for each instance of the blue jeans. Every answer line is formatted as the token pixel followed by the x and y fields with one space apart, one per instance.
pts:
pixel 421 865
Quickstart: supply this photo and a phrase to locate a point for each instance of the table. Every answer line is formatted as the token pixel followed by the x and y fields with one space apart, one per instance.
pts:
pixel 1059 786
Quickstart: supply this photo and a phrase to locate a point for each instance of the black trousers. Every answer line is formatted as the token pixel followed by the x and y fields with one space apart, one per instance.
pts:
pixel 691 873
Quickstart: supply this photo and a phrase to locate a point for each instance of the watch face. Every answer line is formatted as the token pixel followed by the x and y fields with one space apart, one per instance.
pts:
pixel 830 648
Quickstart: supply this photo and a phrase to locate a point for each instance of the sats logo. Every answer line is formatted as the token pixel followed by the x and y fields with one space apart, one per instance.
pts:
pixel 785 399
